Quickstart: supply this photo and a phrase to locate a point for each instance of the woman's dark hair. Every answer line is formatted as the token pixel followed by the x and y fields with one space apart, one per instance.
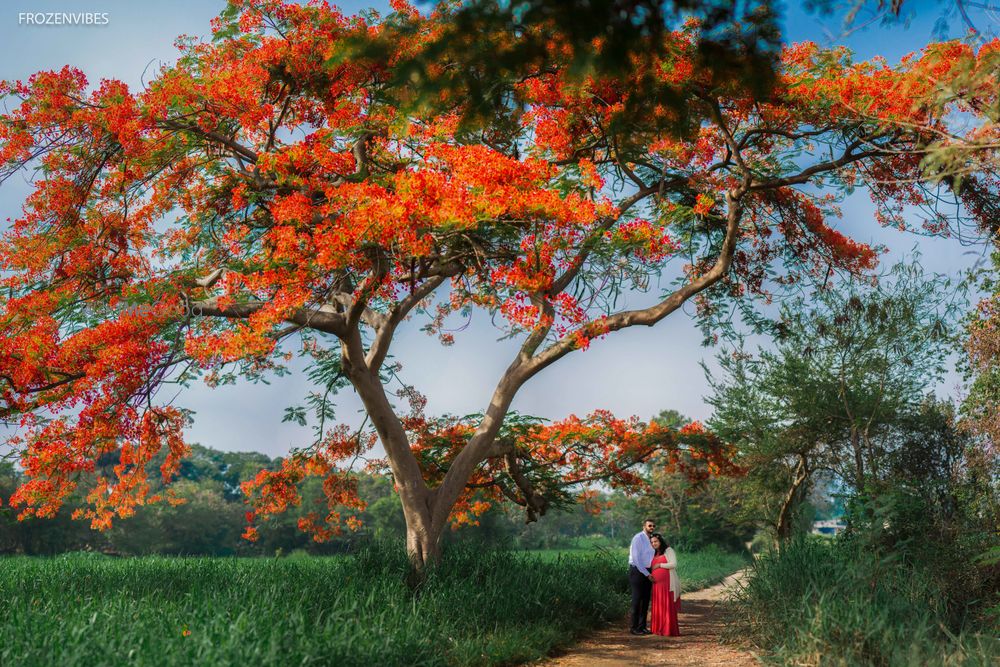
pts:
pixel 663 544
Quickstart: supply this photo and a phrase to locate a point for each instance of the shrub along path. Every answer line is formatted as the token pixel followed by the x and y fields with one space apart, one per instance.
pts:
pixel 702 619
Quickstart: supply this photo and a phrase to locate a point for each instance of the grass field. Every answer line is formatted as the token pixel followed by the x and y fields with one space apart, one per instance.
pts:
pixel 697 570
pixel 477 608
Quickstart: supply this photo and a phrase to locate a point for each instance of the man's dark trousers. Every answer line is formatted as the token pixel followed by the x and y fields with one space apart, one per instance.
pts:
pixel 642 588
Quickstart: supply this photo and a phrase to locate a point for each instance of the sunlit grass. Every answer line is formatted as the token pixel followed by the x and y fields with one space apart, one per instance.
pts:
pixel 697 570
pixel 477 608
pixel 817 603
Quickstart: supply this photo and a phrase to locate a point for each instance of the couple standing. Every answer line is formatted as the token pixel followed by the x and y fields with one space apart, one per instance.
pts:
pixel 652 573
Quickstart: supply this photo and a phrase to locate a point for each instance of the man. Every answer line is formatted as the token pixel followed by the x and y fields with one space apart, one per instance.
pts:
pixel 640 555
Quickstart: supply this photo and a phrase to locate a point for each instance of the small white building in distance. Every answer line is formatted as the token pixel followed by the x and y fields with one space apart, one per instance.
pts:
pixel 829 527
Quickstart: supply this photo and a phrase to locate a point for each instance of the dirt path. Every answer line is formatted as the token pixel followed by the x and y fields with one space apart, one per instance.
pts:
pixel 701 621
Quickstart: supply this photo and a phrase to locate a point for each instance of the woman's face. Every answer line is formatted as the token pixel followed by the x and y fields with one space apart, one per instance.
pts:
pixel 656 543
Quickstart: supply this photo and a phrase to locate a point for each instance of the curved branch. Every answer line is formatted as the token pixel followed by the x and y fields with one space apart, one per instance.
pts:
pixel 653 314
pixel 567 277
pixel 383 337
pixel 535 504
pixel 848 157
pixel 324 318
pixel 237 148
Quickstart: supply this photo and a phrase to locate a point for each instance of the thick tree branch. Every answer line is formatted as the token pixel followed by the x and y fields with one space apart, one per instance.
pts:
pixel 418 499
pixel 346 301
pixel 380 269
pixel 233 145
pixel 535 503
pixel 848 157
pixel 734 148
pixel 209 280
pixel 586 247
pixel 323 318
pixel 547 313
pixel 66 379
pixel 521 369
pixel 383 336
pixel 479 445
pixel 653 314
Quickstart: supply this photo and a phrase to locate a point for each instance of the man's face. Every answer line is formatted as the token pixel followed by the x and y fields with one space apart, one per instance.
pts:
pixel 649 527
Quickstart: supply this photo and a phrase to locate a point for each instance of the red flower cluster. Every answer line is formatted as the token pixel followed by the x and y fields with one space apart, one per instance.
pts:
pixel 277 180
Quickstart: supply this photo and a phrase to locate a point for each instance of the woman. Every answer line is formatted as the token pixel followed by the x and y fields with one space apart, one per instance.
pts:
pixel 666 598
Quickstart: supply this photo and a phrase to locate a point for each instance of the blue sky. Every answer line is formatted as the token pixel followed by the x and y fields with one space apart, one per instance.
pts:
pixel 638 371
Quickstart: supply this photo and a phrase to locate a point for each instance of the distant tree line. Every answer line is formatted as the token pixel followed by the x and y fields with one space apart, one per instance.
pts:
pixel 211 518
pixel 833 418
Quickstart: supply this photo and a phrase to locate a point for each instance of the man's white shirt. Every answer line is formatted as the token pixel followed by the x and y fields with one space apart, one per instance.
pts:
pixel 641 553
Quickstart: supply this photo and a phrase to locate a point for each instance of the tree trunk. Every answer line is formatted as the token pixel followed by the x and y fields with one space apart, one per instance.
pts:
pixel 872 467
pixel 423 542
pixel 788 504
pixel 427 510
pixel 423 535
pixel 859 459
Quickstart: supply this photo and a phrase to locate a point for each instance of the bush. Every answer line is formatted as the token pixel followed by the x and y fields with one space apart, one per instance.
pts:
pixel 820 602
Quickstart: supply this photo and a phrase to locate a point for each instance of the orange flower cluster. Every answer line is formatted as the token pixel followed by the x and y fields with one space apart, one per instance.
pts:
pixel 555 464
pixel 275 491
pixel 276 176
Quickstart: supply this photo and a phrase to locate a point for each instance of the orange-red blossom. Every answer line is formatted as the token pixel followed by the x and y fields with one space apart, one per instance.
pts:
pixel 272 183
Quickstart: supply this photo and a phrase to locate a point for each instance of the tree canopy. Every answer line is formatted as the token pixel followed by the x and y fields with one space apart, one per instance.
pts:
pixel 281 190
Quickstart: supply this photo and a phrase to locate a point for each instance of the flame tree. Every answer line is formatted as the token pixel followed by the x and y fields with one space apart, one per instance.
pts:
pixel 279 188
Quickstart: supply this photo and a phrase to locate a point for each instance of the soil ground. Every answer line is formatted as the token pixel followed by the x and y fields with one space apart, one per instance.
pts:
pixel 702 619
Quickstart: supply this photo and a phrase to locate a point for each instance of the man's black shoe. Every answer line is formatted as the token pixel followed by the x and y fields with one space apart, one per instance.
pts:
pixel 646 632
pixel 636 632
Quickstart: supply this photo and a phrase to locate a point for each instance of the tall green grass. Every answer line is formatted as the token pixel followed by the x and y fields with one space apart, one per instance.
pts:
pixel 821 603
pixel 697 570
pixel 476 608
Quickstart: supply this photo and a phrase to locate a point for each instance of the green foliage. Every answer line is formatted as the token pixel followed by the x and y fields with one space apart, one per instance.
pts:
pixel 833 603
pixel 478 607
pixel 936 506
pixel 211 520
pixel 489 46
pixel 981 364
pixel 694 515
pixel 568 527
pixel 840 405
pixel 205 524
pixel 835 395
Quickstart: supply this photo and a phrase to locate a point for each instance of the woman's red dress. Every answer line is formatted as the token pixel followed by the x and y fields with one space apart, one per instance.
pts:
pixel 664 607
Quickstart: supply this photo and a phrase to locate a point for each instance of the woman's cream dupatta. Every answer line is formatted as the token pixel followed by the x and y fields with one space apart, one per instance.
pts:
pixel 675 581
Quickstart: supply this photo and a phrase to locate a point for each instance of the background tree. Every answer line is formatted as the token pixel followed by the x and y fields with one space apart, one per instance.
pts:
pixel 981 407
pixel 276 185
pixel 844 374
pixel 694 507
